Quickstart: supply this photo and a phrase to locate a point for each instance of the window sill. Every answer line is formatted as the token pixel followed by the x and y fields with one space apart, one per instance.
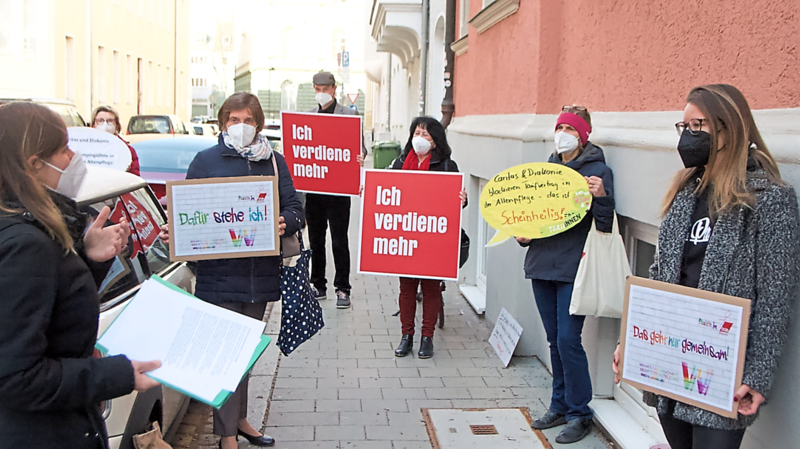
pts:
pixel 494 13
pixel 459 47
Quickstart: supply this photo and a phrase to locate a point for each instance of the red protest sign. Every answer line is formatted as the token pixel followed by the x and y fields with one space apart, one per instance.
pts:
pixel 140 221
pixel 321 151
pixel 410 224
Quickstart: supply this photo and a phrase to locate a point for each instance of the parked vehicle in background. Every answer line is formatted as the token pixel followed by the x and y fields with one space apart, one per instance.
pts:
pixel 68 112
pixel 166 158
pixel 156 124
pixel 202 129
pixel 128 196
pixel 274 138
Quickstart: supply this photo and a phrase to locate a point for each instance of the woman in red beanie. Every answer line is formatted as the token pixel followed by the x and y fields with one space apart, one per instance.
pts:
pixel 552 263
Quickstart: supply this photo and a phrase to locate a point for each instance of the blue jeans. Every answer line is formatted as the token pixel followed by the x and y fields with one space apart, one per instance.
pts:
pixel 572 386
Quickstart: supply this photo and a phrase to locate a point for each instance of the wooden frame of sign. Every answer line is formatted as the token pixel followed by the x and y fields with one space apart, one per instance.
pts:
pixel 211 182
pixel 656 369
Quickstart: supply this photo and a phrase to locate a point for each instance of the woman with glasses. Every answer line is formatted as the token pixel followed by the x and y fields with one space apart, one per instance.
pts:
pixel 730 195
pixel 106 118
pixel 552 263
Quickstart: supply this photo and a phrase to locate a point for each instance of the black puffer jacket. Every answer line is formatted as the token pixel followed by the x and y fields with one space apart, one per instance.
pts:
pixel 556 258
pixel 50 386
pixel 249 279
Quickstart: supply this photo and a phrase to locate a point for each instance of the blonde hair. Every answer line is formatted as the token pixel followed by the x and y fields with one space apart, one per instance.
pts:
pixel 726 112
pixel 110 110
pixel 27 130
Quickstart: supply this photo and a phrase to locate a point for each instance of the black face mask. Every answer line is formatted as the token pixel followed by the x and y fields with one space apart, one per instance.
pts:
pixel 694 149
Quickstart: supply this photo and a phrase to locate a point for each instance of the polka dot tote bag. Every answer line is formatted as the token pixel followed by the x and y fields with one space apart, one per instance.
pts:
pixel 301 314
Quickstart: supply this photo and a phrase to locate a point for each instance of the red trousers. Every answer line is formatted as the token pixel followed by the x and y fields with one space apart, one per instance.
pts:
pixel 431 304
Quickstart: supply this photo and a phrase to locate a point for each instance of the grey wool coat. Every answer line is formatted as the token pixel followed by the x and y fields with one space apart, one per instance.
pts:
pixel 753 253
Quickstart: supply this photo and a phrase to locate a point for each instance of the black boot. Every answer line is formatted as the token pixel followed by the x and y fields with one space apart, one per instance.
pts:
pixel 405 346
pixel 426 348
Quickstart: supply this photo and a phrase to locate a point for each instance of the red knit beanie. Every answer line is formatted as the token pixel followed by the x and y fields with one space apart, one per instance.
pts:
pixel 576 122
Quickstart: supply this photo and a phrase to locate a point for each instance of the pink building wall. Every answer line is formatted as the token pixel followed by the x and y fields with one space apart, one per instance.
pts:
pixel 629 55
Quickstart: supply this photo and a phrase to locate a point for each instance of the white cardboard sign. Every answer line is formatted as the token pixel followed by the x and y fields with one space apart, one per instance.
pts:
pixel 223 218
pixel 99 148
pixel 684 343
pixel 505 336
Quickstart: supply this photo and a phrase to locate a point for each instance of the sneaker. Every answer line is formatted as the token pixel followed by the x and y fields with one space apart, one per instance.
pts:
pixel 550 419
pixel 576 430
pixel 319 294
pixel 342 300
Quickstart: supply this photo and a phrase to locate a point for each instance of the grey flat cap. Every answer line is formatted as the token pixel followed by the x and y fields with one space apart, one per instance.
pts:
pixel 324 79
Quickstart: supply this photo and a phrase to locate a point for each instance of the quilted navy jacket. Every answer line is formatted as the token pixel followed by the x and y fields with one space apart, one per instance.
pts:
pixel 249 279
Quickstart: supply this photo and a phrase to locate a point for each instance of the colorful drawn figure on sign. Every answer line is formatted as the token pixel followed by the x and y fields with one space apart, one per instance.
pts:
pixel 704 381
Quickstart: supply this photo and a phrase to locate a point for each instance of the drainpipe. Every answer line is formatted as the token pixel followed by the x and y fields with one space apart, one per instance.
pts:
pixel 424 56
pixel 448 107
pixel 389 96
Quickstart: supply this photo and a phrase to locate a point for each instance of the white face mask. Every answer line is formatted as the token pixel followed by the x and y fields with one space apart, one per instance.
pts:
pixel 72 177
pixel 323 98
pixel 241 135
pixel 565 142
pixel 421 145
pixel 107 127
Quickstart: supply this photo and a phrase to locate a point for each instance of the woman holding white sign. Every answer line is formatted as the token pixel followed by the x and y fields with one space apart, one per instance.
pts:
pixel 106 118
pixel 244 285
pixel 552 264
pixel 731 225
pixel 426 150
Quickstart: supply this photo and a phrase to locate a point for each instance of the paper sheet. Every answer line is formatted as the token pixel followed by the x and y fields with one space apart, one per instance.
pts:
pixel 204 349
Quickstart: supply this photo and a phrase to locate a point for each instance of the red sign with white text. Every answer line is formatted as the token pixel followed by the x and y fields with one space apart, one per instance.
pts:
pixel 141 223
pixel 321 151
pixel 410 224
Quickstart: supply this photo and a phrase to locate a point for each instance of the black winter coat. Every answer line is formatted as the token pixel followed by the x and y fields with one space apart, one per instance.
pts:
pixel 50 385
pixel 556 258
pixel 438 163
pixel 249 279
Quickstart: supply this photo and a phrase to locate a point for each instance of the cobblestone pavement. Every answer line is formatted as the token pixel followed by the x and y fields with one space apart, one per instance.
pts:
pixel 345 389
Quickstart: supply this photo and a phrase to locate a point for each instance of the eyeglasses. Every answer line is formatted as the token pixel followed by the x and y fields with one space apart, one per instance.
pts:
pixel 694 126
pixel 100 121
pixel 573 109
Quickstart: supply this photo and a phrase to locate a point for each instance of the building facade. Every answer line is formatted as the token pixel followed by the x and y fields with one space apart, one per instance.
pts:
pixel 278 59
pixel 405 64
pixel 212 62
pixel 631 63
pixel 130 54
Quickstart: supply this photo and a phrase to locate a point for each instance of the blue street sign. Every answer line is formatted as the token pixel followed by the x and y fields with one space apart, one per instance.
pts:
pixel 345 59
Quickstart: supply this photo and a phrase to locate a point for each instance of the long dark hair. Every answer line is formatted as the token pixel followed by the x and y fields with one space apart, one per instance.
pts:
pixel 441 150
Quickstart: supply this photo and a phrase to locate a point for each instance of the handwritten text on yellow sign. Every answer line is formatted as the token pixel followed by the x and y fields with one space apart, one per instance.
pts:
pixel 535 200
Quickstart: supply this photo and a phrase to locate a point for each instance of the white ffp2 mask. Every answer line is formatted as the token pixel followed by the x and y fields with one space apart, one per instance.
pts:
pixel 421 145
pixel 323 98
pixel 565 142
pixel 107 127
pixel 241 135
pixel 72 177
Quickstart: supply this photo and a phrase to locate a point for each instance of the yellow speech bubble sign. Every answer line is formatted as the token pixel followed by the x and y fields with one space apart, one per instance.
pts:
pixel 535 201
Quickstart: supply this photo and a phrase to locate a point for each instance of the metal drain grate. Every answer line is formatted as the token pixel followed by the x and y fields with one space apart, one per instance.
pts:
pixel 484 429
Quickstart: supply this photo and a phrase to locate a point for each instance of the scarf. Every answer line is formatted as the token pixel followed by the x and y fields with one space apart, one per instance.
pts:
pixel 412 162
pixel 259 150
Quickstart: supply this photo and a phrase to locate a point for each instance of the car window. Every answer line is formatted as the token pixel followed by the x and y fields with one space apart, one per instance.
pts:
pixel 149 125
pixel 127 270
pixel 165 159
pixel 198 130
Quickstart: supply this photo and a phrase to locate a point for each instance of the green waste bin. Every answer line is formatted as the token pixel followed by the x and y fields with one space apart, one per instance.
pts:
pixel 383 153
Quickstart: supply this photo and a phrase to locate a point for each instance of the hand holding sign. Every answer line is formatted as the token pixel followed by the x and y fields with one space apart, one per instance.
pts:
pixel 536 200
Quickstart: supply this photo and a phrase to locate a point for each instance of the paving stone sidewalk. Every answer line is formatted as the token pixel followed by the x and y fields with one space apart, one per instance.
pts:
pixel 345 389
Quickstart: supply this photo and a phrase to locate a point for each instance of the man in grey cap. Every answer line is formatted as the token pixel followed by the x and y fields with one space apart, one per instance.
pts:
pixel 324 209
